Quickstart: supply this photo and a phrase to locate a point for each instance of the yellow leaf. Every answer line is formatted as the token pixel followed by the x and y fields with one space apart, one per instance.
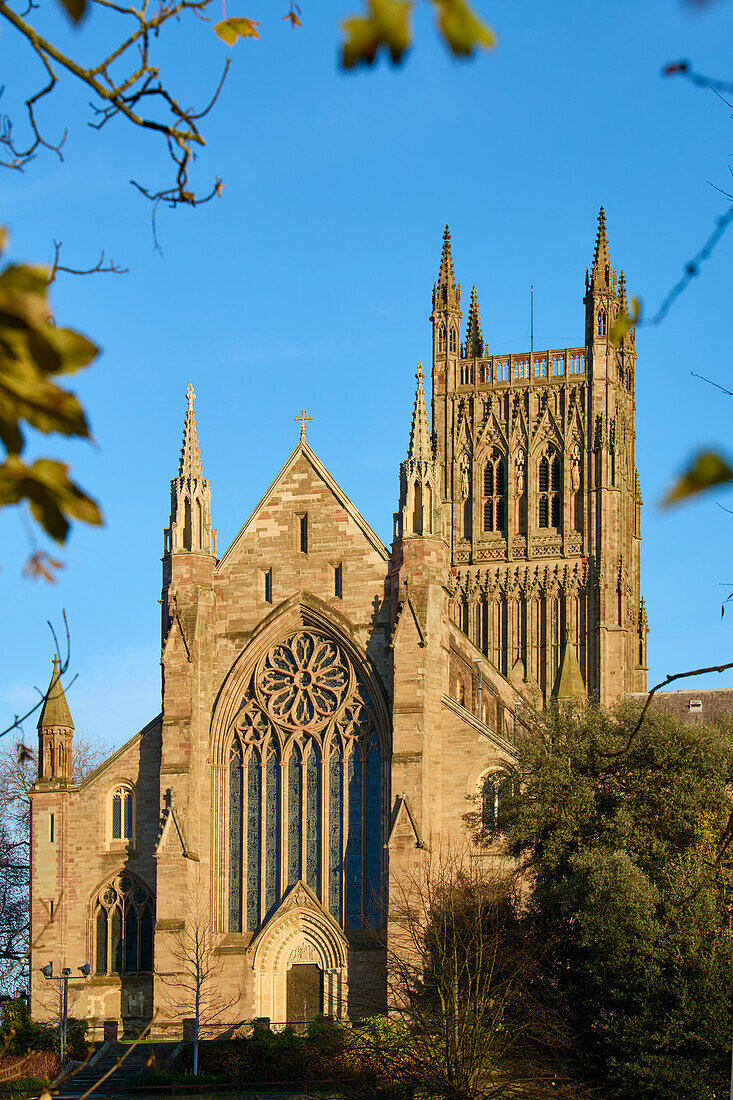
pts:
pixel 49 491
pixel 705 471
pixel 386 24
pixel 229 30
pixel 625 321
pixel 462 29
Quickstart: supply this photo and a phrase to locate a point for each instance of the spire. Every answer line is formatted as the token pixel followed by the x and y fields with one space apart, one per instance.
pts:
pixel 55 711
pixel 190 464
pixel 474 337
pixel 601 260
pixel 446 277
pixel 569 680
pixel 421 448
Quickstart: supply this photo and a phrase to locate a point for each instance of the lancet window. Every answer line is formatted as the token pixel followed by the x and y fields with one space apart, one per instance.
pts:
pixel 123 927
pixel 305 787
pixel 495 790
pixel 549 482
pixel 495 492
pixel 122 814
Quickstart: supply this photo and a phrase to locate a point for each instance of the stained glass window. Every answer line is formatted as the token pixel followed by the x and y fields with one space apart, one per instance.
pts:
pixel 353 844
pixel 335 832
pixel 324 804
pixel 122 814
pixel 123 927
pixel 295 816
pixel 313 820
pixel 254 835
pixel 235 840
pixel 373 818
pixel 272 832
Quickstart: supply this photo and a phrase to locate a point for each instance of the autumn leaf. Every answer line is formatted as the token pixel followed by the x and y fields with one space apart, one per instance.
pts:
pixel 41 565
pixel 229 30
pixel 294 16
pixel 51 494
pixel 462 29
pixel 676 67
pixel 386 24
pixel 707 470
pixel 625 321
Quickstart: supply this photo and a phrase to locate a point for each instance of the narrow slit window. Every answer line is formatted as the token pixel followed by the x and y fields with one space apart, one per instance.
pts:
pixel 268 586
pixel 52 828
pixel 304 534
pixel 338 579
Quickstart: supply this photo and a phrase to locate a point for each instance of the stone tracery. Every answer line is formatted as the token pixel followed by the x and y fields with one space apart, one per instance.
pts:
pixel 305 785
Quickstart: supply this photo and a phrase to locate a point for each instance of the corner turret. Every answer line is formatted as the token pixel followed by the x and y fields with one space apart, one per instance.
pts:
pixel 55 732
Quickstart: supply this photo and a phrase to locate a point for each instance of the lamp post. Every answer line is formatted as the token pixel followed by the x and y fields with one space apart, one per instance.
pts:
pixel 66 977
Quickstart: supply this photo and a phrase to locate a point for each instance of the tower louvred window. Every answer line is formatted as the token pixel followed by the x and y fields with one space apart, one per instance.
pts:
pixel 494 492
pixel 550 485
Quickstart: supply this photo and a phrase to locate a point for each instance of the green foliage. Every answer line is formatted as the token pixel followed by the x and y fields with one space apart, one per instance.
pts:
pixel 21 1033
pixel 24 1034
pixel 625 321
pixel 626 836
pixel 33 353
pixel 322 1052
pixel 706 470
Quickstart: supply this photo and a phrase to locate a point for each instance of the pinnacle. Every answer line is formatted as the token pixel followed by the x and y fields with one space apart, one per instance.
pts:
pixel 190 464
pixel 474 336
pixel 446 276
pixel 569 680
pixel 600 256
pixel 55 710
pixel 622 293
pixel 421 448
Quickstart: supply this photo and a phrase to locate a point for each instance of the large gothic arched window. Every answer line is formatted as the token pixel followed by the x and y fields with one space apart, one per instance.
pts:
pixel 305 787
pixel 123 927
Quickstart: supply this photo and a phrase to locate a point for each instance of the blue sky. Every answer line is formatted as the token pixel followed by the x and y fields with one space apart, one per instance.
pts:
pixel 308 284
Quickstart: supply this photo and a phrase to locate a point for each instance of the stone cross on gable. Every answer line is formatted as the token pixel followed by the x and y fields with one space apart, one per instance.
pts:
pixel 302 418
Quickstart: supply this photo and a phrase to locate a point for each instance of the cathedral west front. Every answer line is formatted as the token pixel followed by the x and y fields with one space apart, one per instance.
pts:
pixel 329 703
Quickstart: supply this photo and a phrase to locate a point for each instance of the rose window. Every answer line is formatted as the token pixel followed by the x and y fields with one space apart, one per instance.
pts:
pixel 304 681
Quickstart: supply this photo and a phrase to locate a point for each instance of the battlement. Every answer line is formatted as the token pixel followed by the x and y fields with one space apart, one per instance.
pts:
pixel 523 369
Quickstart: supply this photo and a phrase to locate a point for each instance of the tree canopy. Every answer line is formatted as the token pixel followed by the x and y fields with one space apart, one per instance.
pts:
pixel 626 841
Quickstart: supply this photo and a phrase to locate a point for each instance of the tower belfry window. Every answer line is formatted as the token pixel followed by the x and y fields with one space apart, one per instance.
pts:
pixel 549 483
pixel 495 492
pixel 602 322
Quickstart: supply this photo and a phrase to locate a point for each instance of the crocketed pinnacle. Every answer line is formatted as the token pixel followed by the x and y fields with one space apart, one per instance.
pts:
pixel 421 449
pixel 446 278
pixel 474 337
pixel 190 464
pixel 569 680
pixel 622 293
pixel 601 261
pixel 55 710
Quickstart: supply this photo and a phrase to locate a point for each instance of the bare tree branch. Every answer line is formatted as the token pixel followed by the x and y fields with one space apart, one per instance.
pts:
pixel 99 268
pixel 125 82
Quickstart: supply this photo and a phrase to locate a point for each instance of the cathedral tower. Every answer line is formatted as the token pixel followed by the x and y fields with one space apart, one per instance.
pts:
pixel 541 493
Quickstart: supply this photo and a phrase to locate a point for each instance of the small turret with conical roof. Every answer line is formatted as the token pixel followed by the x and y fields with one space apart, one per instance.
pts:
pixel 55 731
pixel 190 524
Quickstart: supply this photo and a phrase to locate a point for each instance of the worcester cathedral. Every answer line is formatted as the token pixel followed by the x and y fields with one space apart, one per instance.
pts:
pixel 329 703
